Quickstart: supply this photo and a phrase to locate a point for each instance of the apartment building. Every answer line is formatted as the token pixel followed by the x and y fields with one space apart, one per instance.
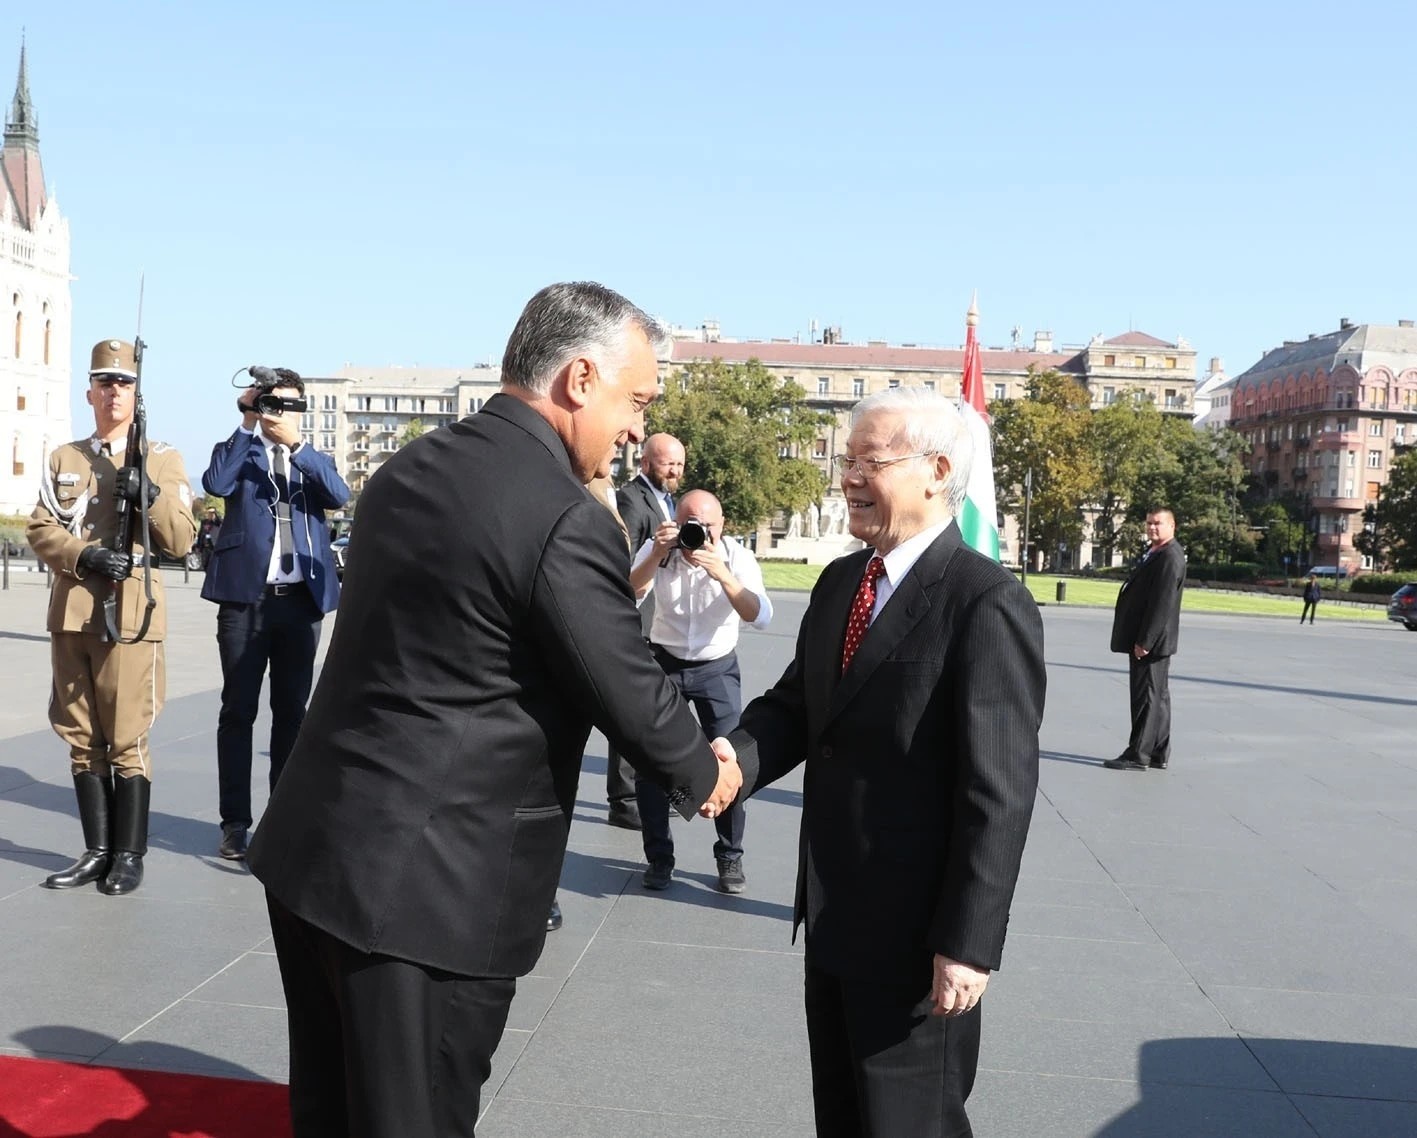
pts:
pixel 1324 417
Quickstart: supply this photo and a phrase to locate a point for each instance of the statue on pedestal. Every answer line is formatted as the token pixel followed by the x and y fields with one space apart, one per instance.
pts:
pixel 813 521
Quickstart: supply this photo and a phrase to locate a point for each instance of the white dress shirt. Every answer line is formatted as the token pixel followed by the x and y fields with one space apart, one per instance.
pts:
pixel 693 617
pixel 899 562
pixel 274 576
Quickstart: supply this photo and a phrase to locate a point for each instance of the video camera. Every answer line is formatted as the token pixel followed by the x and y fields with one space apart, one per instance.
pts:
pixel 267 403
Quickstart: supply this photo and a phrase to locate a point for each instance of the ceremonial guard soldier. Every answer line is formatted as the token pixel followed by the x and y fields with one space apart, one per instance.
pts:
pixel 109 677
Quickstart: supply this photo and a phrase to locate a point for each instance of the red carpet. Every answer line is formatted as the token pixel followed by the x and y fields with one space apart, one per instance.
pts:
pixel 44 1099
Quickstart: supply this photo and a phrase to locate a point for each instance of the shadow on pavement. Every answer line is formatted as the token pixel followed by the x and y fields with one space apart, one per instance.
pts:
pixel 1347 1089
pixel 1321 693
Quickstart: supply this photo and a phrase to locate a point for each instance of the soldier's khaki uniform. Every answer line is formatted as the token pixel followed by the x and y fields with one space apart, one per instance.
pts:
pixel 106 695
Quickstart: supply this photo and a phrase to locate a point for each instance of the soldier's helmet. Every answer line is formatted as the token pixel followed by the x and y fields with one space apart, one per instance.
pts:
pixel 113 357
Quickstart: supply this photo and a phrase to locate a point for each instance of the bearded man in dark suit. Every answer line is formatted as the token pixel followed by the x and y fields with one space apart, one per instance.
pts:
pixel 1147 626
pixel 914 701
pixel 411 848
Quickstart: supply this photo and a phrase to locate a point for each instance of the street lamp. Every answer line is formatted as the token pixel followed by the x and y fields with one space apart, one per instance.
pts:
pixel 1027 505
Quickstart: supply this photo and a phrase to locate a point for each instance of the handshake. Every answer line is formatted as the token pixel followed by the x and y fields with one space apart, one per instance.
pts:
pixel 730 779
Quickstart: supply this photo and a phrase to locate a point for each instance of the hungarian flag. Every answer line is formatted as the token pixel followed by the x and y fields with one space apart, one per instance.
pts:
pixel 977 517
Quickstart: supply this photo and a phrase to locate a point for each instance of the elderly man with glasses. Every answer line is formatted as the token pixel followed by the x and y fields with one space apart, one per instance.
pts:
pixel 913 704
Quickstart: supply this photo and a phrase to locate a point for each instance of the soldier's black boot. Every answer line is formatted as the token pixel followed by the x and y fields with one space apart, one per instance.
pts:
pixel 130 835
pixel 95 795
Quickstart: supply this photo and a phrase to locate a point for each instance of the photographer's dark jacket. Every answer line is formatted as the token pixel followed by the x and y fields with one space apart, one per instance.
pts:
pixel 241 473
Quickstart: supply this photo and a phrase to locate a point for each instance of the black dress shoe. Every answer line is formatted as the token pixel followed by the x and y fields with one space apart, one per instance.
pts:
pixel 553 922
pixel 626 816
pixel 1122 763
pixel 658 874
pixel 1160 764
pixel 730 875
pixel 233 844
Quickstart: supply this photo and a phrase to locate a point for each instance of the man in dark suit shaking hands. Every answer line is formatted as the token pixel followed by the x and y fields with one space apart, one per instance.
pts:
pixel 1146 626
pixel 411 849
pixel 914 701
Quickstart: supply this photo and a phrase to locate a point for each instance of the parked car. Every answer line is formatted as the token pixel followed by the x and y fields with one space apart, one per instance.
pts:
pixel 1402 607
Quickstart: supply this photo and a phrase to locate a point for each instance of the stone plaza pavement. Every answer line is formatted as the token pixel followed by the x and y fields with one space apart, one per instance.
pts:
pixel 1226 948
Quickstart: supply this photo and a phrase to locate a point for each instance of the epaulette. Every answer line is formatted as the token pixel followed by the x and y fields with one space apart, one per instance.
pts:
pixel 158 448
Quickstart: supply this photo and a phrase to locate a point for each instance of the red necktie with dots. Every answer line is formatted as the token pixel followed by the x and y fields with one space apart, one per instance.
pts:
pixel 860 618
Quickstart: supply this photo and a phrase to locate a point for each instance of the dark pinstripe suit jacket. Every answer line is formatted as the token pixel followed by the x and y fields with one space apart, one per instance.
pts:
pixel 921 763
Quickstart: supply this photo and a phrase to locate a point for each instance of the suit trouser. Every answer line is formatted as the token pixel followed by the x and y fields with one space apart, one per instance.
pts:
pixel 381 1047
pixel 104 701
pixel 715 689
pixel 1151 709
pixel 882 1065
pixel 281 631
pixel 1310 607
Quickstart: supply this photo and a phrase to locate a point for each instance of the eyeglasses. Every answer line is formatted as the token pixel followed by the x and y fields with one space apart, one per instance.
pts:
pixel 868 468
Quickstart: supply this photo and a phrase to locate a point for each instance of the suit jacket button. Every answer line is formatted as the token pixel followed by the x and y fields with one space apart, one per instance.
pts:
pixel 826 752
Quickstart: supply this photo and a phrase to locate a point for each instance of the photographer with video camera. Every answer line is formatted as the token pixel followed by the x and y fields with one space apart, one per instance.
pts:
pixel 272 574
pixel 705 584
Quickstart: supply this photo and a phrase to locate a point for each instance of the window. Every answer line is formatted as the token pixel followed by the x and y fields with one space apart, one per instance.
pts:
pixel 1138 361
pixel 1376 427
pixel 391 403
pixel 858 388
pixel 1109 396
pixel 361 422
pixel 929 385
pixel 1399 432
pixel 361 403
pixel 328 421
pixel 819 448
pixel 19 400
pixel 327 440
pixel 17 467
pixel 48 327
pixel 893 382
pixel 1342 426
pixel 1170 361
pixel 824 385
pixel 19 330
pixel 307 422
pixel 1109 361
pixel 331 402
pixel 1352 459
pixel 1001 391
pixel 391 425
pixel 1375 460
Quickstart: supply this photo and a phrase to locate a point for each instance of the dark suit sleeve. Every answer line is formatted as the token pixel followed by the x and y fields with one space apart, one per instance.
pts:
pixel 324 488
pixel 771 736
pixel 999 706
pixel 1163 595
pixel 589 631
pixel 635 511
pixel 225 466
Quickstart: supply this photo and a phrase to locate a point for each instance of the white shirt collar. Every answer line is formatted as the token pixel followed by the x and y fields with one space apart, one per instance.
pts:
pixel 903 557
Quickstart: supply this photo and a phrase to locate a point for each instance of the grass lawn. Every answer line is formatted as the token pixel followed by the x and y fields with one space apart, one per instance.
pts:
pixel 1103 593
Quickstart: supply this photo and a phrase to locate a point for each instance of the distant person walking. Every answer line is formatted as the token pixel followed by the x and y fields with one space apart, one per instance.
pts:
pixel 1312 592
pixel 1146 626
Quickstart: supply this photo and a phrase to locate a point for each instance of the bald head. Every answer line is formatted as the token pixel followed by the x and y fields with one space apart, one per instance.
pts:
pixel 662 462
pixel 700 505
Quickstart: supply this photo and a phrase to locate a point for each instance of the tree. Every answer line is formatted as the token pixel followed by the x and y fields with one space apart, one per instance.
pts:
pixel 415 429
pixel 1125 438
pixel 1390 526
pixel 1046 432
pixel 736 421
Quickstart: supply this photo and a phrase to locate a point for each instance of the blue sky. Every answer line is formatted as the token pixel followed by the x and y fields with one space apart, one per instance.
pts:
pixel 374 183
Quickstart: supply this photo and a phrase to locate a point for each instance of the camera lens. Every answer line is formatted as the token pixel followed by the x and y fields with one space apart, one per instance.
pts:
pixel 692 535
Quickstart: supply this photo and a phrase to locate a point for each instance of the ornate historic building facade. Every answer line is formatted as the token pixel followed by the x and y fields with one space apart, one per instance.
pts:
pixel 34 291
pixel 1324 417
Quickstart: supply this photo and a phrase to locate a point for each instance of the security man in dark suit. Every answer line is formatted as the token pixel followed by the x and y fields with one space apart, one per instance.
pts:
pixel 913 703
pixel 412 846
pixel 644 504
pixel 272 573
pixel 1146 626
